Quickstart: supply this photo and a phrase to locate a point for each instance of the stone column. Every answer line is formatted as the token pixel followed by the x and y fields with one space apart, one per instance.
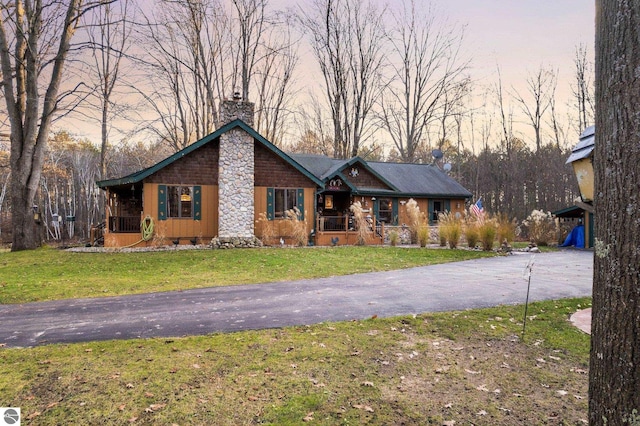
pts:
pixel 236 174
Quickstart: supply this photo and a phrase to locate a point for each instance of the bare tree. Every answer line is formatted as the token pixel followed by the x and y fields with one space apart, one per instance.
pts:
pixel 274 80
pixel 427 67
pixel 35 38
pixel 583 89
pixel 109 31
pixel 187 47
pixel 251 19
pixel 614 373
pixel 346 37
pixel 537 100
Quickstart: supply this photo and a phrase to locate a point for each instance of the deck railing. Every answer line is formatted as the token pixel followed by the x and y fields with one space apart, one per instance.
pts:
pixel 345 223
pixel 333 223
pixel 124 224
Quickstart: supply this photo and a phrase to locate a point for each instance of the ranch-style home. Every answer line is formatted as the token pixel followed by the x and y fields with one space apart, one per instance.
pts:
pixel 233 182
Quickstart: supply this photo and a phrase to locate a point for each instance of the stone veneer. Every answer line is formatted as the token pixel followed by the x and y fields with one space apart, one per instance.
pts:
pixel 236 174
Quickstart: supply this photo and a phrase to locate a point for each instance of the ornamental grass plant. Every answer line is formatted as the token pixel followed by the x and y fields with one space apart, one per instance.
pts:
pixel 450 229
pixel 417 219
pixel 265 230
pixel 506 228
pixel 471 231
pixel 488 230
pixel 297 227
pixel 363 227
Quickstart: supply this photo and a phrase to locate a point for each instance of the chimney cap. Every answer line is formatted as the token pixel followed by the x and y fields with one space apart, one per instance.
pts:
pixel 237 96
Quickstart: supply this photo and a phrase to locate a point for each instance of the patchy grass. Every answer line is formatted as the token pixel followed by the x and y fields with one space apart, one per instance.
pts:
pixel 469 367
pixel 48 274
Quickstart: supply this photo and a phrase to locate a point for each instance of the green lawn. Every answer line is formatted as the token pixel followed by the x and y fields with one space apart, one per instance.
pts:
pixel 49 274
pixel 470 367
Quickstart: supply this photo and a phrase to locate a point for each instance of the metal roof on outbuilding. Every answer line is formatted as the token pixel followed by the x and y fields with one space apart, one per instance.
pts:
pixel 585 146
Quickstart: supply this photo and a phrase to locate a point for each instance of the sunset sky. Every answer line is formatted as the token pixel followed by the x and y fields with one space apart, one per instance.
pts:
pixel 516 36
pixel 521 35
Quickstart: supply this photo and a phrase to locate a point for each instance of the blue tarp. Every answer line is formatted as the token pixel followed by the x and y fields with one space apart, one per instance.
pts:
pixel 575 238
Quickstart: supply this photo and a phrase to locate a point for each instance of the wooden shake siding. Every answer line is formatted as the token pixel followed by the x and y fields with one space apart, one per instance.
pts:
pixel 185 229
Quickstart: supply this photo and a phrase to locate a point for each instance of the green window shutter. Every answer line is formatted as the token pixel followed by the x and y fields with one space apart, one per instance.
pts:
pixel 394 211
pixel 376 210
pixel 447 205
pixel 300 202
pixel 197 202
pixel 162 202
pixel 270 204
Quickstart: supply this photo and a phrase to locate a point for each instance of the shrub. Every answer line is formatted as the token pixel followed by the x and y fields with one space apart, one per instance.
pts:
pixel 394 237
pixel 297 227
pixel 450 229
pixel 265 230
pixel 488 231
pixel 361 223
pixel 541 227
pixel 506 228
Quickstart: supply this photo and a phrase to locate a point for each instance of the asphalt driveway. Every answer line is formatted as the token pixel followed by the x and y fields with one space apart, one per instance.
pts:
pixel 452 286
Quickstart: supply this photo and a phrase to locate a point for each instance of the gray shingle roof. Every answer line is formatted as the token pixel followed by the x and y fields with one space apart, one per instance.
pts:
pixel 420 179
pixel 410 179
pixel 320 166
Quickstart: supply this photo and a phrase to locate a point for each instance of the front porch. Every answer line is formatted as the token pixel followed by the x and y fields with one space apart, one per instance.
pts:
pixel 340 230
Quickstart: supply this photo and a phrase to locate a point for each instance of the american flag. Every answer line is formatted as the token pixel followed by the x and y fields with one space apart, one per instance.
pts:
pixel 477 208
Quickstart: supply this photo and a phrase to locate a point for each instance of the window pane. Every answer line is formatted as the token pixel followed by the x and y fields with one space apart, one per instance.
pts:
pixel 173 201
pixel 186 202
pixel 279 203
pixel 385 210
pixel 291 198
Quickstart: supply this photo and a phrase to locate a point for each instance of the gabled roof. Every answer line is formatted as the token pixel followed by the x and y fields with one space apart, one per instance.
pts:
pixel 142 174
pixel 326 168
pixel 404 179
pixel 585 146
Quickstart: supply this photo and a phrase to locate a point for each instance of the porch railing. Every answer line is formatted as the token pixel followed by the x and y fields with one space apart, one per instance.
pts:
pixel 345 223
pixel 124 224
pixel 333 223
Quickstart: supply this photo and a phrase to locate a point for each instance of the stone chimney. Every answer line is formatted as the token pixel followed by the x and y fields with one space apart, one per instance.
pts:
pixel 236 174
pixel 231 109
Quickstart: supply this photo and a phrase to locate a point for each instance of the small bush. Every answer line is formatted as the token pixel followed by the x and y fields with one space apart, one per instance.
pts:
pixel 488 231
pixel 541 227
pixel 394 237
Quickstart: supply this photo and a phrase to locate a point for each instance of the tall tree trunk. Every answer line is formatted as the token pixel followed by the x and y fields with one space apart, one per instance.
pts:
pixel 21 78
pixel 614 386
